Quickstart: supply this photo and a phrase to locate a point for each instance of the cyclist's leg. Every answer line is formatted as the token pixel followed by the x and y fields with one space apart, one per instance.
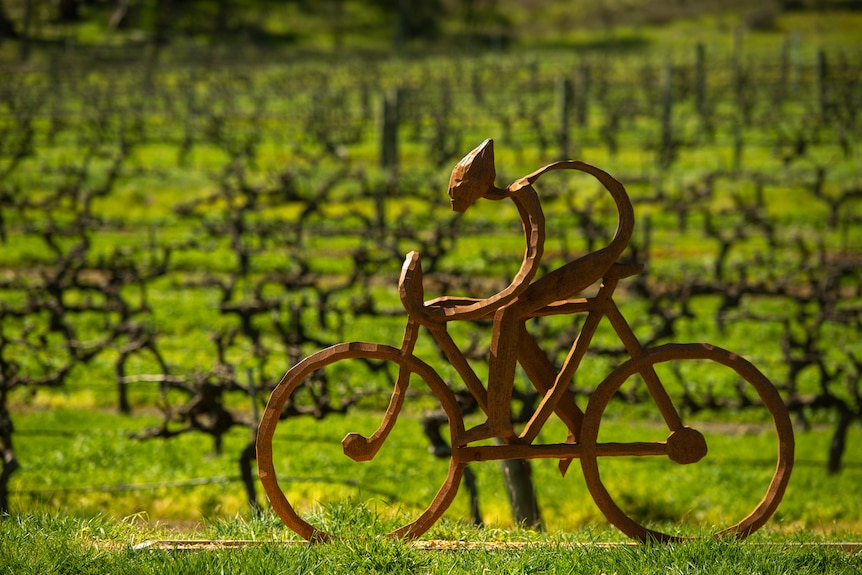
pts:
pixel 569 279
pixel 501 375
pixel 505 344
pixel 553 383
pixel 559 284
pixel 361 448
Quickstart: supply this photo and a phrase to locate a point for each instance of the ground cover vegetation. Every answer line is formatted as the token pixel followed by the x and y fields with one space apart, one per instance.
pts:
pixel 177 232
pixel 40 544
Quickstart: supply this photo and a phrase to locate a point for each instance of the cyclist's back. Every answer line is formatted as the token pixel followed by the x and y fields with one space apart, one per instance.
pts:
pixel 472 179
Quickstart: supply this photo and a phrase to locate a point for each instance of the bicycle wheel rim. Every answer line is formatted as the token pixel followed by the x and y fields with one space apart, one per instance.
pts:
pixel 288 385
pixel 769 397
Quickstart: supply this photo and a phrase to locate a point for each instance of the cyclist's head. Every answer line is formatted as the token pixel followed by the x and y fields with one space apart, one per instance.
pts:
pixel 473 177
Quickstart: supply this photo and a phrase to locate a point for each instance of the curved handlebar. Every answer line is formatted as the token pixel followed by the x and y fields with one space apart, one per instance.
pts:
pixel 625 211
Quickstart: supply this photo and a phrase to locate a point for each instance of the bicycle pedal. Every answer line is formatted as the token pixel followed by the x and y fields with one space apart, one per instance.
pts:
pixel 357 447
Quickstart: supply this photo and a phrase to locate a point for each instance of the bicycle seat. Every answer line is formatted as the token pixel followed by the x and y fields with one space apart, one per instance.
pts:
pixel 619 271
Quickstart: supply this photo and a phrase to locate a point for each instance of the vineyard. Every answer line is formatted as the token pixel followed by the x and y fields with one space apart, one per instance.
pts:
pixel 175 235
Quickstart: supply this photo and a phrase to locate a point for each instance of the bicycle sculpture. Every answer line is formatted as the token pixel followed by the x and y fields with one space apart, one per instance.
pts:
pixel 511 344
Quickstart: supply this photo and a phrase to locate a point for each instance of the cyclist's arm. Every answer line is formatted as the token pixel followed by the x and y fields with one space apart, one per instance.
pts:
pixel 526 200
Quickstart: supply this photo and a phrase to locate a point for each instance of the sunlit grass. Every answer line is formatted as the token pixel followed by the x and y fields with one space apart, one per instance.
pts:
pixel 39 543
pixel 76 458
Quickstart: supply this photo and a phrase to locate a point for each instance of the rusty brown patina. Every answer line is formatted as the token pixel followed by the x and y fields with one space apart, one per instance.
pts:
pixel 526 297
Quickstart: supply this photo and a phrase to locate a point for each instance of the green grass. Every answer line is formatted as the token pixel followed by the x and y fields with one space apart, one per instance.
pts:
pixel 50 544
pixel 83 463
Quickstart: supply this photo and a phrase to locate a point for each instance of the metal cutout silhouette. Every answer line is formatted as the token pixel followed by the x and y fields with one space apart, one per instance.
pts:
pixel 473 179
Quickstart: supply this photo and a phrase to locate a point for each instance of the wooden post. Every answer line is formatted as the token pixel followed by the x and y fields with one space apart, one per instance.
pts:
pixel 737 60
pixel 784 72
pixel 794 63
pixel 365 98
pixel 738 73
pixel 582 101
pixel 477 86
pixel 666 146
pixel 8 462
pixel 24 37
pixel 389 131
pixel 388 154
pixel 249 454
pixel 522 495
pixel 738 145
pixel 700 79
pixel 647 240
pixel 564 105
pixel 822 102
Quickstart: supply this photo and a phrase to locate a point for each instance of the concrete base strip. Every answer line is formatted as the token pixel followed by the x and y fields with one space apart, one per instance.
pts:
pixel 443 545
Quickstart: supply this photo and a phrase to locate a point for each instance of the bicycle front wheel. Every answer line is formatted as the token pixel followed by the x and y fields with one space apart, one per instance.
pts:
pixel 717 465
pixel 318 490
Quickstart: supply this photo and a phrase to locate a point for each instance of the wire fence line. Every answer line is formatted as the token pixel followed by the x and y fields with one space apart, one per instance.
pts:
pixel 123 487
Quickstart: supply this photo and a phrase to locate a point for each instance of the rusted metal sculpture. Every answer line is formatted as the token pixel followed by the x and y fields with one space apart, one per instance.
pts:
pixel 511 344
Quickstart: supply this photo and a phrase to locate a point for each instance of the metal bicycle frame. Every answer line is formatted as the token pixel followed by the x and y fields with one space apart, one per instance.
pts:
pixel 549 381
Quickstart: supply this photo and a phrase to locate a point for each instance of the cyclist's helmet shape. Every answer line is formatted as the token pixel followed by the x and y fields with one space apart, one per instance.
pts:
pixel 473 177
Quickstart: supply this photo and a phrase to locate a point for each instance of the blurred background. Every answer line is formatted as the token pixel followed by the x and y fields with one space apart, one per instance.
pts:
pixel 384 27
pixel 195 194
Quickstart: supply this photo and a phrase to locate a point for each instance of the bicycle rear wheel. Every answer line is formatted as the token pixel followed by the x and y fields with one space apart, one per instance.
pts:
pixel 721 472
pixel 320 492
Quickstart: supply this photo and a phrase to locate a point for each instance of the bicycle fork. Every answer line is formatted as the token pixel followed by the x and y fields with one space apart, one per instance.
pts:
pixel 553 384
pixel 685 445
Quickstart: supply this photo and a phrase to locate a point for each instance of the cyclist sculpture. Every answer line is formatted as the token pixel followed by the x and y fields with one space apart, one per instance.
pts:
pixel 511 344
